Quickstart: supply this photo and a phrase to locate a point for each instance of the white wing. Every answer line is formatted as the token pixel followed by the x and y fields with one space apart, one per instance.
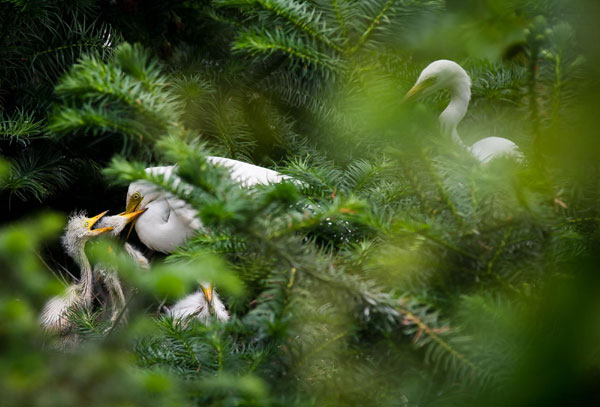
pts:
pixel 248 174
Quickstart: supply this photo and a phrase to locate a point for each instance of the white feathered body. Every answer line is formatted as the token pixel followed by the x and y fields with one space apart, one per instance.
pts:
pixel 55 314
pixel 195 306
pixel 169 221
pixel 489 148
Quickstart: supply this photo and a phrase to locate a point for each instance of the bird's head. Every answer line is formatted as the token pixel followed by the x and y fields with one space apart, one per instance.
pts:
pixel 442 74
pixel 141 193
pixel 118 222
pixel 80 229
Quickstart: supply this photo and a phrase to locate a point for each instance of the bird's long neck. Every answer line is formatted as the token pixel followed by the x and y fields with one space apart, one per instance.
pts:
pixel 460 94
pixel 85 282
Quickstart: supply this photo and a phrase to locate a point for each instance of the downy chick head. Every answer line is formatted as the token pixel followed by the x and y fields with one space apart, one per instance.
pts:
pixel 80 229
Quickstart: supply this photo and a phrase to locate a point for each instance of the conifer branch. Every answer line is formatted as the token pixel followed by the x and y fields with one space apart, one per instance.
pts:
pixel 365 35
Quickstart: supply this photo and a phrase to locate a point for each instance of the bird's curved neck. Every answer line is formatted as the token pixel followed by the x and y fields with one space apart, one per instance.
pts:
pixel 85 282
pixel 460 94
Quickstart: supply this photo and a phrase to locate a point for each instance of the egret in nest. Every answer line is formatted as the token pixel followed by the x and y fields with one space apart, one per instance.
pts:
pixel 444 74
pixel 201 305
pixel 108 275
pixel 79 230
pixel 169 221
pixel 55 314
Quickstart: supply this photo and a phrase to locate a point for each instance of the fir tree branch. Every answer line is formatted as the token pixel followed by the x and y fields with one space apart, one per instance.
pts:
pixel 365 35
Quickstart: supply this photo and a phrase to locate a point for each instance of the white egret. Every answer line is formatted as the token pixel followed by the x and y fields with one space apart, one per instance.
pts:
pixel 169 221
pixel 109 275
pixel 55 314
pixel 201 306
pixel 444 74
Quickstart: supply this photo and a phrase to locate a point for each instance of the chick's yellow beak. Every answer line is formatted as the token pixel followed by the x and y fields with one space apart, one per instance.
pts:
pixel 93 220
pixel 131 216
pixel 208 293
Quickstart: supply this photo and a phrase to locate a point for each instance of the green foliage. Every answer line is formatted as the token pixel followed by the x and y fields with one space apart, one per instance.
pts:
pixel 127 96
pixel 393 268
pixel 39 42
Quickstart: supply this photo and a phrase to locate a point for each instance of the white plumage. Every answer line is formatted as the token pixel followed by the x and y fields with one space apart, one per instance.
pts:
pixel 444 74
pixel 54 316
pixel 196 306
pixel 108 275
pixel 491 147
pixel 169 221
pixel 248 174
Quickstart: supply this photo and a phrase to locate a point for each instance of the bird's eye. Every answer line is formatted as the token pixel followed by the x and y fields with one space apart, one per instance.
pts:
pixel 135 196
pixel 87 224
pixel 431 80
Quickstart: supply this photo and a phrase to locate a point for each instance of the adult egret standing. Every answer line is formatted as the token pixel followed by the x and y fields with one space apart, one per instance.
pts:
pixel 79 230
pixel 444 74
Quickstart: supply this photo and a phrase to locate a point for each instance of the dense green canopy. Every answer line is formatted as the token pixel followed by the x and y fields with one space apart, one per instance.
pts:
pixel 400 271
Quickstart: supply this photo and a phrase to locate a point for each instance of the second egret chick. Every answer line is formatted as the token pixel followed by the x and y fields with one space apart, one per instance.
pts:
pixel 201 305
pixel 108 274
pixel 118 223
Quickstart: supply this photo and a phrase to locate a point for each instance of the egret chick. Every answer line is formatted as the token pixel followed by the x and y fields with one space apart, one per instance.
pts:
pixel 444 74
pixel 108 274
pixel 200 305
pixel 118 223
pixel 79 229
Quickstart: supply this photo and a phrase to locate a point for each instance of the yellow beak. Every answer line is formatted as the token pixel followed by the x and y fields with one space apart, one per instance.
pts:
pixel 130 216
pixel 131 206
pixel 93 220
pixel 130 211
pixel 417 89
pixel 208 293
